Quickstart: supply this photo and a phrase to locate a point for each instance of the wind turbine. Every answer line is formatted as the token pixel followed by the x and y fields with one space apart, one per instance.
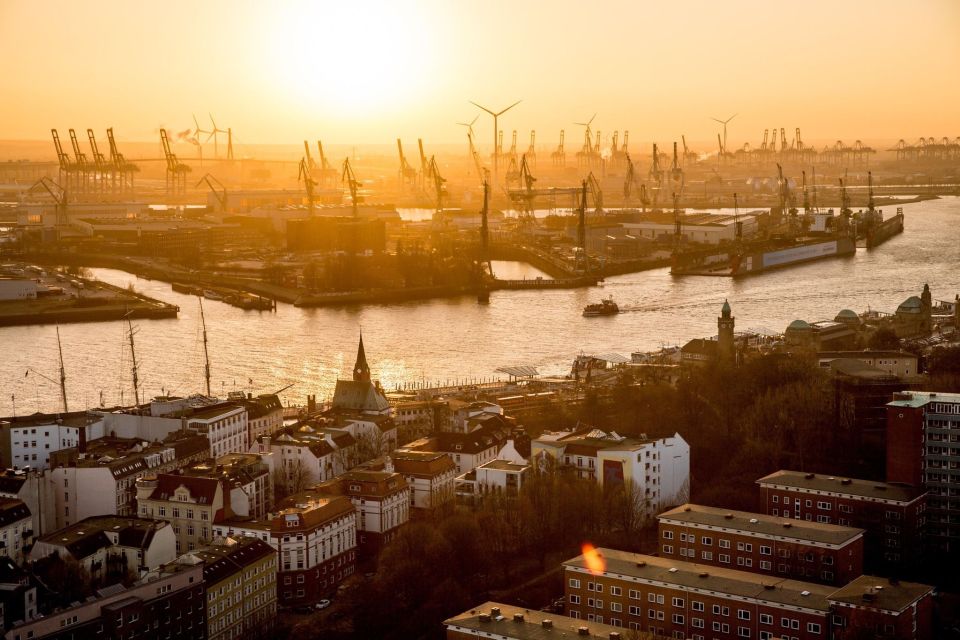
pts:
pixel 469 125
pixel 213 134
pixel 198 130
pixel 495 115
pixel 587 150
pixel 724 123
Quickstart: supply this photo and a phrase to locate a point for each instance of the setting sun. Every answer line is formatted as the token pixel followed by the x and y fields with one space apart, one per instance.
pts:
pixel 358 58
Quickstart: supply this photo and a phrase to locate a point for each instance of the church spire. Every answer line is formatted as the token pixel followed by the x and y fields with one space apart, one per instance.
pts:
pixel 361 370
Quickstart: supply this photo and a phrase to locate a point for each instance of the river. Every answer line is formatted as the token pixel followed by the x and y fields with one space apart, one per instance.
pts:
pixel 456 338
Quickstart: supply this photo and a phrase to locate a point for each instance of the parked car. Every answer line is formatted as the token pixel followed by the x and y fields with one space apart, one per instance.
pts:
pixel 323 604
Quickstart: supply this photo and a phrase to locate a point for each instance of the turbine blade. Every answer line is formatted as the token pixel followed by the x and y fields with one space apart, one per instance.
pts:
pixel 483 108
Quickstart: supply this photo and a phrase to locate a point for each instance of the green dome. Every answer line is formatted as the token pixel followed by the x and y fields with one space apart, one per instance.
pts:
pixel 798 325
pixel 913 304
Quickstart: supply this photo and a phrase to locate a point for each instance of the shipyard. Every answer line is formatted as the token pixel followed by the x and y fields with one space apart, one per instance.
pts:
pixel 443 321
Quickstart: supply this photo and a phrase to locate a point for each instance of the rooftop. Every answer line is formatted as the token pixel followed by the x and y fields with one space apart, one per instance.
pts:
pixel 760 524
pixel 889 595
pixel 689 575
pixel 223 561
pixel 90 534
pixel 500 620
pixel 868 489
pixel 917 399
pixel 504 465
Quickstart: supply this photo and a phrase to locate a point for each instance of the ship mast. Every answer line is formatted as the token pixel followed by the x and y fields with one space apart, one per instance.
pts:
pixel 133 358
pixel 63 374
pixel 206 353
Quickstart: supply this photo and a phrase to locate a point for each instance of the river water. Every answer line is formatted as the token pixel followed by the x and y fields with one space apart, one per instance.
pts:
pixel 456 338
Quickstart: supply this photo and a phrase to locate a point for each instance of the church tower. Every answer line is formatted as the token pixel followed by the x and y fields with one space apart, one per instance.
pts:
pixel 927 301
pixel 725 325
pixel 361 370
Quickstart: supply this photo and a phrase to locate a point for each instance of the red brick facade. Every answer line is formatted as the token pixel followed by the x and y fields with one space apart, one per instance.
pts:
pixel 905 451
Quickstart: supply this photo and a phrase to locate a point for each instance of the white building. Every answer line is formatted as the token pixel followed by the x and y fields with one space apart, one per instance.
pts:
pixel 18 289
pixel 309 455
pixel 659 469
pixel 29 441
pixel 224 425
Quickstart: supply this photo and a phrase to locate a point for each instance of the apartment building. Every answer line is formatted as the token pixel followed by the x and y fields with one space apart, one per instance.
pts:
pixel 382 501
pixel 892 515
pixel 28 441
pixel 497 477
pixel 225 425
pixel 506 622
pixel 240 578
pixel 16 529
pixel 264 415
pixel 657 468
pixel 309 454
pixel 468 449
pixel 315 540
pixel 773 546
pixel 191 504
pixel 923 451
pixel 431 477
pixel 883 609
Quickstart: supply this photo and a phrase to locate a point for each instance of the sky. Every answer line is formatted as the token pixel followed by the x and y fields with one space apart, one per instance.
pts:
pixel 365 72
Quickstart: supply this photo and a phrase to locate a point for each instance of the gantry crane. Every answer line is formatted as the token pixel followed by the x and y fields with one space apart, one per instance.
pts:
pixel 304 175
pixel 80 159
pixel 100 163
pixel 311 165
pixel 176 175
pixel 438 185
pixel 59 195
pixel 123 168
pixel 328 175
pixel 656 175
pixel 559 157
pixel 353 185
pixel 532 149
pixel 407 175
pixel 676 172
pixel 424 165
pixel 66 165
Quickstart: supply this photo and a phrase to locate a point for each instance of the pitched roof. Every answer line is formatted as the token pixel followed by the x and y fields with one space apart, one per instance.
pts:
pixel 359 396
pixel 12 510
pixel 202 489
pixel 221 561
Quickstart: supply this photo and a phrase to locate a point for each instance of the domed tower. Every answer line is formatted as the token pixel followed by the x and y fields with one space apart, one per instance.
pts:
pixel 725 325
pixel 927 301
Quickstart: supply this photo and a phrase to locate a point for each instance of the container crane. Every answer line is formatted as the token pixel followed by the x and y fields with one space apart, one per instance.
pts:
pixel 656 175
pixel 676 173
pixel 121 166
pixel 424 168
pixel 100 162
pixel 311 165
pixel 532 149
pixel 308 182
pixel 83 167
pixel 408 175
pixel 176 176
pixel 353 185
pixel 66 165
pixel 559 157
pixel 438 182
pixel 327 173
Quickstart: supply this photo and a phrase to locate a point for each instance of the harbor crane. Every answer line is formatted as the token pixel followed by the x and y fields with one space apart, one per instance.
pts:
pixel 676 173
pixel 585 155
pixel 496 133
pixel 328 175
pixel 438 185
pixel 219 191
pixel 559 156
pixel 482 172
pixel 80 159
pixel 303 174
pixel 66 165
pixel 353 185
pixel 99 162
pixel 532 149
pixel 630 181
pixel 311 165
pixel 408 175
pixel 124 169
pixel 57 192
pixel 424 167
pixel 656 175
pixel 176 174
pixel 596 192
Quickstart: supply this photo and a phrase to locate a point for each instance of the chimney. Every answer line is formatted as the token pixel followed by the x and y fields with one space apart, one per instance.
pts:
pixel 547 623
pixel 583 631
pixel 518 617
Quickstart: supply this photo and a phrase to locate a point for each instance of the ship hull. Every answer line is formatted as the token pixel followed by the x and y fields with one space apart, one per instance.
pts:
pixel 885 230
pixel 758 260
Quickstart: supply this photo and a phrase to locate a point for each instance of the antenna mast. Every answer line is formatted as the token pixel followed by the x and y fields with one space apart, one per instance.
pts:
pixel 133 358
pixel 63 374
pixel 206 353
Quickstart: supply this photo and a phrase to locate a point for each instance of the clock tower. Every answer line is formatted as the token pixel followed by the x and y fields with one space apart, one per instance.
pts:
pixel 361 371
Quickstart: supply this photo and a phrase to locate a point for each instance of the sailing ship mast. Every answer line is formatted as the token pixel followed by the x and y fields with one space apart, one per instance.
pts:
pixel 63 375
pixel 206 353
pixel 133 358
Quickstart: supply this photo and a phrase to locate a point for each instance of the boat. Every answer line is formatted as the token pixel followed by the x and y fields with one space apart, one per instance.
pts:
pixel 761 256
pixel 606 307
pixel 209 294
pixel 187 289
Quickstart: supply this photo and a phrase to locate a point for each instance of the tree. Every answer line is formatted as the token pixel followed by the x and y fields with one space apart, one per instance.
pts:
pixel 884 339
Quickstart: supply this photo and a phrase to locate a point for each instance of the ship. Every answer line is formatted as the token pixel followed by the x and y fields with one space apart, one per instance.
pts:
pixel 757 257
pixel 606 307
pixel 882 230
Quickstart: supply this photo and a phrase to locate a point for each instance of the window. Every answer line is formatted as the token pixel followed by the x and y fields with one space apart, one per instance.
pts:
pixel 667 548
pixel 677 618
pixel 696 623
pixel 743 614
pixel 766 618
pixel 725 558
pixel 616 591
pixel 668 535
pixel 696 605
pixel 813 627
pixel 766 565
pixel 574 599
pixel 706 555
pixel 634 610
pixel 706 541
pixel 634 594
pixel 651 597
pixel 616 607
pixel 678 602
pixel 574 583
pixel 776 498
pixel 765 550
pixel 724 544
pixel 743 632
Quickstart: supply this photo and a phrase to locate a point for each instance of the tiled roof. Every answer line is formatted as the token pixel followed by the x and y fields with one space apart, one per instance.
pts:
pixel 358 396
pixel 202 489
pixel 12 510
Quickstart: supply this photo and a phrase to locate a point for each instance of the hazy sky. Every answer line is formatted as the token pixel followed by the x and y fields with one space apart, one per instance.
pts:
pixel 359 72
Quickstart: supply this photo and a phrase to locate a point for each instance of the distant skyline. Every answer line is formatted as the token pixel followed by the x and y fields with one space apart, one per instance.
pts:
pixel 368 72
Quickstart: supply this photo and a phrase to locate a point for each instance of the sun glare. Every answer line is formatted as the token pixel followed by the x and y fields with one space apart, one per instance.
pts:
pixel 355 58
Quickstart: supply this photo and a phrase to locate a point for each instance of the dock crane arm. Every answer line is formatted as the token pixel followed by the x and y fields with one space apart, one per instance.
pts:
pixel 219 191
pixel 303 174
pixel 352 184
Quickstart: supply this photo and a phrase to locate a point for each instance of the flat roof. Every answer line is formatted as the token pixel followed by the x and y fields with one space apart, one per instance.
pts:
pixel 777 591
pixel 502 624
pixel 762 525
pixel 918 399
pixel 889 595
pixel 504 465
pixel 854 487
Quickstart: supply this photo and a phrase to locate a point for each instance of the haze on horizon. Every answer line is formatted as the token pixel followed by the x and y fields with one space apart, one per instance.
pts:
pixel 366 72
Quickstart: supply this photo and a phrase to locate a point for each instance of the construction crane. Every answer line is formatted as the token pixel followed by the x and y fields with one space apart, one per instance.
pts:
pixel 121 166
pixel 559 157
pixel 353 185
pixel 66 166
pixel 688 156
pixel 303 174
pixel 83 167
pixel 101 164
pixel 219 191
pixel 176 175
pixel 408 175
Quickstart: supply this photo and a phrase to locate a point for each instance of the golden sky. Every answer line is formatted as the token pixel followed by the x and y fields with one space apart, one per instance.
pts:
pixel 355 71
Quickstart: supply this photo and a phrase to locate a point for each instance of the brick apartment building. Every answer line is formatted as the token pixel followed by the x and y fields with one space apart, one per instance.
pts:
pixel 923 451
pixel 773 546
pixel 892 515
pixel 679 599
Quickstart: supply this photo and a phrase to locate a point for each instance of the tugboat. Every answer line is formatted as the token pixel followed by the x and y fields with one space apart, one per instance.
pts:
pixel 606 307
